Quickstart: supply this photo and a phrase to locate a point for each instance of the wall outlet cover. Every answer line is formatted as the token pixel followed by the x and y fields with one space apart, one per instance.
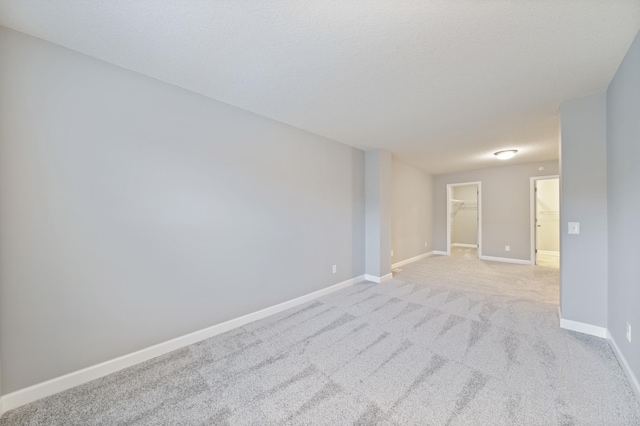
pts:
pixel 507 248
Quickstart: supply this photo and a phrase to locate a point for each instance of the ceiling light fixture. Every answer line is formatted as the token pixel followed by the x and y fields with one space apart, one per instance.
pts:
pixel 506 154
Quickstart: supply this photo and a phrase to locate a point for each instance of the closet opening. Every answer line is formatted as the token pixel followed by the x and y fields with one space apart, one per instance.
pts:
pixel 464 218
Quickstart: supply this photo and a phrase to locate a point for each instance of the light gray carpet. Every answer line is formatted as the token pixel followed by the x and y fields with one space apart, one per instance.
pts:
pixel 448 341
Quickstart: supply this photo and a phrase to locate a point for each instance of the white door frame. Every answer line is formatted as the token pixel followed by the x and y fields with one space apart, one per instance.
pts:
pixel 450 187
pixel 532 214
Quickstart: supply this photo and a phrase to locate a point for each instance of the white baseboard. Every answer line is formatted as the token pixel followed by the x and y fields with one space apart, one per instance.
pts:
pixel 68 381
pixel 410 260
pixel 464 245
pixel 376 279
pixel 440 253
pixel 582 327
pixel 633 380
pixel 604 333
pixel 549 253
pixel 506 260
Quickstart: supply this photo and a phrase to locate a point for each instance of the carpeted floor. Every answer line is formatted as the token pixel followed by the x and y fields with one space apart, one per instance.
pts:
pixel 449 341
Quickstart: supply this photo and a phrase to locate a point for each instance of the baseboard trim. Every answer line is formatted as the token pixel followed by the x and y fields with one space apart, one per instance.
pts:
pixel 50 387
pixel 506 260
pixel 378 280
pixel 581 327
pixel 549 253
pixel 633 380
pixel 464 245
pixel 411 260
pixel 440 253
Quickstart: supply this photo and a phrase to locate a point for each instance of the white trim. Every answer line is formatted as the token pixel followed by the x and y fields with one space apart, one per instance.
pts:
pixel 378 280
pixel 411 259
pixel 464 245
pixel 441 253
pixel 506 260
pixel 59 384
pixel 633 380
pixel 604 333
pixel 549 252
pixel 450 186
pixel 532 213
pixel 582 327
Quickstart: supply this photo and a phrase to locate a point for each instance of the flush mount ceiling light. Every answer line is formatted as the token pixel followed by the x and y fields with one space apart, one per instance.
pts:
pixel 506 154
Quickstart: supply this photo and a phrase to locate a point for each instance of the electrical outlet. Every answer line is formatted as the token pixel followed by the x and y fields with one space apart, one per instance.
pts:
pixel 507 248
pixel 391 253
pixel 629 332
pixel 425 244
pixel 335 268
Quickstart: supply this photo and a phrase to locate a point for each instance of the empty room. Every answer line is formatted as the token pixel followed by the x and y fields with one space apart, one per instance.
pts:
pixel 319 213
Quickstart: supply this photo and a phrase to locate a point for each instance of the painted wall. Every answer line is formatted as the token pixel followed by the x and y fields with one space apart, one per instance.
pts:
pixel 133 211
pixel 583 189
pixel 623 201
pixel 464 220
pixel 411 211
pixel 378 213
pixel 548 214
pixel 505 207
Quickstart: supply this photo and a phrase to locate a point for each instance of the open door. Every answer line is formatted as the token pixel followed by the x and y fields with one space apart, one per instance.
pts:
pixel 546 222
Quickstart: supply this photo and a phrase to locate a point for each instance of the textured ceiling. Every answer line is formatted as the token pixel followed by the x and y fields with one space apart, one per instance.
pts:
pixel 441 84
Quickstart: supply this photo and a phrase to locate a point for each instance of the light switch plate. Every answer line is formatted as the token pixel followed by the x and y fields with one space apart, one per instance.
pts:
pixel 574 227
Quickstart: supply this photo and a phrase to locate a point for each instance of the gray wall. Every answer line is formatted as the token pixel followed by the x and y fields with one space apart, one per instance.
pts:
pixel 505 207
pixel 378 212
pixel 583 191
pixel 464 221
pixel 411 211
pixel 623 179
pixel 133 211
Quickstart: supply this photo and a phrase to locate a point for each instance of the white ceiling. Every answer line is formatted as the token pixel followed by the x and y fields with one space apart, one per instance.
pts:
pixel 441 84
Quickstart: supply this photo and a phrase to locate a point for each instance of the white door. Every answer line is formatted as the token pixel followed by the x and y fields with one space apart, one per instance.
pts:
pixel 547 222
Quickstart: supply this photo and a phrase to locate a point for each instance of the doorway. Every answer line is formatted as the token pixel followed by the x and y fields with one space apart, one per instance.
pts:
pixel 545 221
pixel 464 217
